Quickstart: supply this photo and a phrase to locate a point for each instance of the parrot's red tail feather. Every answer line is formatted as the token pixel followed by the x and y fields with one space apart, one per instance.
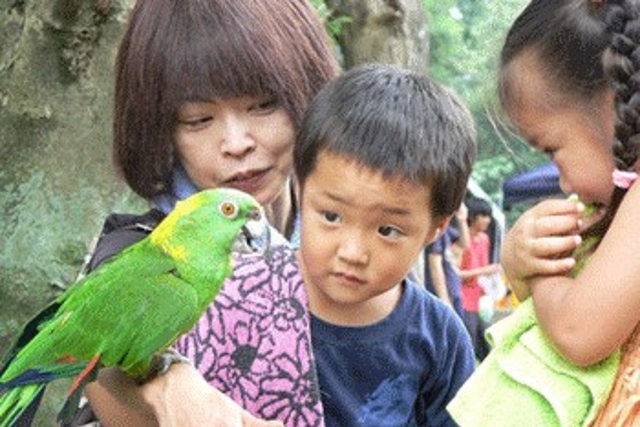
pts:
pixel 85 375
pixel 71 405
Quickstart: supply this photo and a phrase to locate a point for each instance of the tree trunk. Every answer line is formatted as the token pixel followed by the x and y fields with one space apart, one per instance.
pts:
pixel 388 31
pixel 56 178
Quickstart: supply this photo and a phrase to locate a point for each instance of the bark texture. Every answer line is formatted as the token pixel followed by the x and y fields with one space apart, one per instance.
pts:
pixel 56 177
pixel 389 31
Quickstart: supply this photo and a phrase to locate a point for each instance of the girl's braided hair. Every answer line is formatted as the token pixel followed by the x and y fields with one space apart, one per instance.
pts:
pixel 621 63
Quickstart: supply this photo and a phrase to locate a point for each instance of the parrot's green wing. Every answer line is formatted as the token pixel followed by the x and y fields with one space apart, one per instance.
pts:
pixel 133 313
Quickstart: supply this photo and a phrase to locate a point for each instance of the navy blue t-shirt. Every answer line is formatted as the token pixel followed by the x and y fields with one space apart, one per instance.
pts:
pixel 401 371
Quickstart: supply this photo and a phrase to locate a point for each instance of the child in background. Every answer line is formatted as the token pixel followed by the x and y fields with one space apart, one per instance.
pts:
pixel 475 263
pixel 442 267
pixel 568 82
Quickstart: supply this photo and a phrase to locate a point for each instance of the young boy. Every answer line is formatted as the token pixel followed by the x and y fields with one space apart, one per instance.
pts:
pixel 382 164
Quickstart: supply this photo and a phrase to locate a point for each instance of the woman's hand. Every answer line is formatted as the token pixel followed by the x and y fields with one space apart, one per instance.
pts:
pixel 184 399
pixel 181 397
pixel 540 243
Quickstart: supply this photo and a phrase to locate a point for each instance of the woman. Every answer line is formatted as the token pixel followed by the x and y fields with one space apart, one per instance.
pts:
pixel 208 93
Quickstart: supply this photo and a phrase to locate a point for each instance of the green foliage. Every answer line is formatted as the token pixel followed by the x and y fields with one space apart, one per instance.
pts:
pixel 466 36
pixel 332 23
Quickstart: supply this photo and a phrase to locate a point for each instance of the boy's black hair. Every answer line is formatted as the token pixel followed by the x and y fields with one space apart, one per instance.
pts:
pixel 394 121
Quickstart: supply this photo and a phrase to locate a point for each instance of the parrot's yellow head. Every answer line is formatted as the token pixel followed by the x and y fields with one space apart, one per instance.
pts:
pixel 215 221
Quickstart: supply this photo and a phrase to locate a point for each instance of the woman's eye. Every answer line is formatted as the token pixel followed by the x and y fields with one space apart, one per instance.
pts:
pixel 266 106
pixel 195 123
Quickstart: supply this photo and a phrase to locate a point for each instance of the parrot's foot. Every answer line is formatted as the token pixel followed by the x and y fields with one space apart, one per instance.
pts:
pixel 162 362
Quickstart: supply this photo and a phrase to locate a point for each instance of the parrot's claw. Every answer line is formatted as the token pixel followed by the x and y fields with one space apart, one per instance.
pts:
pixel 161 363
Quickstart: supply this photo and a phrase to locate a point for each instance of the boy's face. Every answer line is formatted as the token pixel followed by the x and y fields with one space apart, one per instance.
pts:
pixel 361 234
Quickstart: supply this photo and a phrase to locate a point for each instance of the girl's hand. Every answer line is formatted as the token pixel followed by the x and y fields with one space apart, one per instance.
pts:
pixel 540 243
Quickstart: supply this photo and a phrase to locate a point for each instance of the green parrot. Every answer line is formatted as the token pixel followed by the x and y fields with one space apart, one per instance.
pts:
pixel 134 306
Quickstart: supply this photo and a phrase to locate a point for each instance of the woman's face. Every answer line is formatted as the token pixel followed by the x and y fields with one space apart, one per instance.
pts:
pixel 245 143
pixel 577 138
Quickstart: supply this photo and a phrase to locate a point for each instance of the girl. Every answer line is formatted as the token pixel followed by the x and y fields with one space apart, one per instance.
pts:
pixel 208 93
pixel 568 83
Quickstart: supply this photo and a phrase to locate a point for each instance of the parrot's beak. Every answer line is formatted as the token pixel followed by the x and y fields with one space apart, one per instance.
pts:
pixel 254 236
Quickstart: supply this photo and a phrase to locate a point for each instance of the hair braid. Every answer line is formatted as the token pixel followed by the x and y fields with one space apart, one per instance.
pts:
pixel 621 63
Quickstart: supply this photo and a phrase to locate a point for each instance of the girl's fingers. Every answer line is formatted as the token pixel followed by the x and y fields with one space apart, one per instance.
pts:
pixel 551 267
pixel 553 207
pixel 539 241
pixel 525 257
pixel 557 225
pixel 549 248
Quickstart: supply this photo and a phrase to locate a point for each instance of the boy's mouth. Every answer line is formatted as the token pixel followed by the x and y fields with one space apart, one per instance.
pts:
pixel 349 278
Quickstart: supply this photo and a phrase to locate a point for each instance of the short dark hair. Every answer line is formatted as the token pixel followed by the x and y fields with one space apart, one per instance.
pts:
pixel 175 51
pixel 395 121
pixel 477 207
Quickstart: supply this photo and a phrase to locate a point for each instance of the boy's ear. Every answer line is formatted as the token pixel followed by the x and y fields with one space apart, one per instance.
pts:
pixel 437 229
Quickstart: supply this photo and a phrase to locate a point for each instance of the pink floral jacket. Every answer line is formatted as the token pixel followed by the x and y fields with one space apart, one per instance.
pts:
pixel 254 343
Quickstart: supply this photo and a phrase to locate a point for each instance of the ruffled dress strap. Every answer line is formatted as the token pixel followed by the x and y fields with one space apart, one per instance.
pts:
pixel 622 408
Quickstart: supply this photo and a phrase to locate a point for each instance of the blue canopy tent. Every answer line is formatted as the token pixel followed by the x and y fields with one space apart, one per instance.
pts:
pixel 537 183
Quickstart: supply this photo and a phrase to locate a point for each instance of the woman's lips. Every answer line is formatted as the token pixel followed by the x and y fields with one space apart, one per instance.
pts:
pixel 248 182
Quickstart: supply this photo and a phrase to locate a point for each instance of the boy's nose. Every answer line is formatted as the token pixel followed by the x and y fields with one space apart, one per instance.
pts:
pixel 353 249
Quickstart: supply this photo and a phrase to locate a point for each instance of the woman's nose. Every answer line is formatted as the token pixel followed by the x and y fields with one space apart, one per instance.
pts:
pixel 237 139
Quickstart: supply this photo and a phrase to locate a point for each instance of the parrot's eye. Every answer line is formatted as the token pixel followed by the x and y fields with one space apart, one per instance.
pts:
pixel 229 209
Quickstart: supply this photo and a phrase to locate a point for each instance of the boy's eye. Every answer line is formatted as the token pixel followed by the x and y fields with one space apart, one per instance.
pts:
pixel 330 216
pixel 388 231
